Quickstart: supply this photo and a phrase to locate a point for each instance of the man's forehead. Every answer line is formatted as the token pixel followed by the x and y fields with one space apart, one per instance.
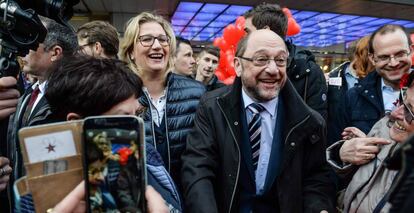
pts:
pixel 184 46
pixel 205 54
pixel 389 39
pixel 265 40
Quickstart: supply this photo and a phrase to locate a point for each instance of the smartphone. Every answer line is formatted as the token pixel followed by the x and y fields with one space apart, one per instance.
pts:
pixel 114 164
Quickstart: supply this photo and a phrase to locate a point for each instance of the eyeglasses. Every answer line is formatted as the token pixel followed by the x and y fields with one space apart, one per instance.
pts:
pixel 261 61
pixel 148 40
pixel 408 114
pixel 82 47
pixel 387 58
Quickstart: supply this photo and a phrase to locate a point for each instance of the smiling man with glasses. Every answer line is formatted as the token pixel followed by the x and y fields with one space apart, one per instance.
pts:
pixel 255 145
pixel 390 51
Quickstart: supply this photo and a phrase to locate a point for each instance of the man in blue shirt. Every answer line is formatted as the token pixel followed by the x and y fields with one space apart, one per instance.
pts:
pixel 390 51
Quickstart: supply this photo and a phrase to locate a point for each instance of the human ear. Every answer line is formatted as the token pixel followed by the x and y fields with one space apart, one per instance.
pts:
pixel 73 116
pixel 238 67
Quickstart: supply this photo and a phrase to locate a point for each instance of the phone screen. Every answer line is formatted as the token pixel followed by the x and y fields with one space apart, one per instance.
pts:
pixel 114 164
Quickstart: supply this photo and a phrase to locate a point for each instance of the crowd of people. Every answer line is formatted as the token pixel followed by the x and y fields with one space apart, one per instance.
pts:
pixel 284 137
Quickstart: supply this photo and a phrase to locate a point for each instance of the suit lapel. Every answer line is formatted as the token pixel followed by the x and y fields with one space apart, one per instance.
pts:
pixel 38 106
pixel 233 109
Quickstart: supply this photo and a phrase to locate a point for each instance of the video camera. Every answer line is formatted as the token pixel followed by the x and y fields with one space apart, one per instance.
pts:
pixel 21 29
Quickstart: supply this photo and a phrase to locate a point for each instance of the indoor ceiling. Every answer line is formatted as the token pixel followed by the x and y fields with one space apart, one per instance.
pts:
pixel 323 22
pixel 205 21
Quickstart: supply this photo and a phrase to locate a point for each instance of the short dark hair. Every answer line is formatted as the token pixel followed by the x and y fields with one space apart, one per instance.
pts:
pixel 102 32
pixel 179 41
pixel 388 28
pixel 89 86
pixel 59 35
pixel 270 15
pixel 210 50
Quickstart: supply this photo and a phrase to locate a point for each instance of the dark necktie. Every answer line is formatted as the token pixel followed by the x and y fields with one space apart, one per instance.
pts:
pixel 30 105
pixel 255 132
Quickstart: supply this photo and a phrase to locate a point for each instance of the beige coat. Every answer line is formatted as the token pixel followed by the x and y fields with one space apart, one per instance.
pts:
pixel 371 181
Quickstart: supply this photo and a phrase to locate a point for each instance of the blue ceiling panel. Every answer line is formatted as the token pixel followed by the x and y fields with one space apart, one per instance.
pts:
pixel 218 24
pixel 182 18
pixel 356 27
pixel 379 22
pixel 211 30
pixel 343 18
pixel 304 15
pixel 237 10
pixel 179 22
pixel 214 8
pixel 205 21
pixel 402 22
pixel 309 29
pixel 195 23
pixel 226 18
pixel 409 25
pixel 177 29
pixel 188 7
pixel 306 36
pixel 324 16
pixel 362 20
pixel 192 29
pixel 204 16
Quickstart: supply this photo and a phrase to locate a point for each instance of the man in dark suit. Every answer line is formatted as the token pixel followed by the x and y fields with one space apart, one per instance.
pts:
pixel 256 146
pixel 32 107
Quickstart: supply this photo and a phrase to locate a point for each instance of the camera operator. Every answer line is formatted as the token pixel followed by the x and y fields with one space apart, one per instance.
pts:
pixel 32 107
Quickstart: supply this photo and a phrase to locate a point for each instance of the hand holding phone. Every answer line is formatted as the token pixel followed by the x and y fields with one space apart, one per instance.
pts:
pixel 114 167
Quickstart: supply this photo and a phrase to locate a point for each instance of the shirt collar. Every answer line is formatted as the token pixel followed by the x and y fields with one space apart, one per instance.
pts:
pixel 270 106
pixel 42 86
pixel 386 87
pixel 348 71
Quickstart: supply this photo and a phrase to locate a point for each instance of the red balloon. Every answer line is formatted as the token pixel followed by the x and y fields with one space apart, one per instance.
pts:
pixel 229 80
pixel 217 42
pixel 220 74
pixel 240 22
pixel 293 27
pixel 221 43
pixel 287 12
pixel 229 34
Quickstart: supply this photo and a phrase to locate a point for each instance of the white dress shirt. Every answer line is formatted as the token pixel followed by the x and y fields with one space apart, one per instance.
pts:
pixel 266 138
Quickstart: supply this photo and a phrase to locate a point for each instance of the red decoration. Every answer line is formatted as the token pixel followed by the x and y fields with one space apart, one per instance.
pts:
pixel 404 80
pixel 124 153
pixel 228 44
pixel 293 27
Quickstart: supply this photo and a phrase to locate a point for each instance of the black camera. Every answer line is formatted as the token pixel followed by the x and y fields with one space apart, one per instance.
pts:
pixel 21 29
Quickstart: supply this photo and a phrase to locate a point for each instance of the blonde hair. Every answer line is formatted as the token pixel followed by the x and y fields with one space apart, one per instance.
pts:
pixel 361 63
pixel 131 38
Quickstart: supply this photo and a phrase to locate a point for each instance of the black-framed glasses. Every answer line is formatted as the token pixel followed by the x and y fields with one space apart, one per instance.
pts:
pixel 261 61
pixel 408 114
pixel 148 40
pixel 387 58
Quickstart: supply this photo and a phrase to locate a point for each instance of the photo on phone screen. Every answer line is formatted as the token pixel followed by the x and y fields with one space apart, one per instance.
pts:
pixel 114 164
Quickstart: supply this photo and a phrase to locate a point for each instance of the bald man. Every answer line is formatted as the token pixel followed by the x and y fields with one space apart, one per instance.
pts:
pixel 256 146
